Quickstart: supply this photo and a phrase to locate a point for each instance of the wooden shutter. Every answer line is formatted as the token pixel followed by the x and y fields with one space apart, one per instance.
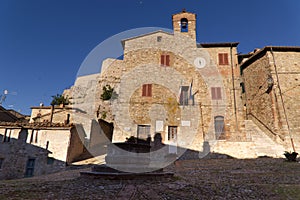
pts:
pixel 162 60
pixel 213 95
pixel 220 59
pixel 167 60
pixel 216 93
pixel 223 59
pixel 225 55
pixel 144 92
pixel 147 90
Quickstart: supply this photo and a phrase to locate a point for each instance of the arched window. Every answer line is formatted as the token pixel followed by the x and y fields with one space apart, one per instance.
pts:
pixel 184 25
pixel 219 127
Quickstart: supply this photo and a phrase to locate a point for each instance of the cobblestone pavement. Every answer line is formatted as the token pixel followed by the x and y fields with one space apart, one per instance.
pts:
pixel 262 178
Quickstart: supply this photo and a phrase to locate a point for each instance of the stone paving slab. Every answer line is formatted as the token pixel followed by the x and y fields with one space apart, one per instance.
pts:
pixel 262 178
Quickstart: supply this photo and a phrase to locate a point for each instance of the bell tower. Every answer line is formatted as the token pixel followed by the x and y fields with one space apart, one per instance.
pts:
pixel 185 23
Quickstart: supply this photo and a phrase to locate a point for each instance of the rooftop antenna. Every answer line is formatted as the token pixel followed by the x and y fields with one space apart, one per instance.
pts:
pixel 3 97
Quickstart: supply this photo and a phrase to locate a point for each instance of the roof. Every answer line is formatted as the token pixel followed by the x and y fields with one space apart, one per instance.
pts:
pixel 143 35
pixel 37 125
pixel 258 54
pixel 7 116
pixel 17 114
pixel 184 13
pixel 65 107
pixel 222 44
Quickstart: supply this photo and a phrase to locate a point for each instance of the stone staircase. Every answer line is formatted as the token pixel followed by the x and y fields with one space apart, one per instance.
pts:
pixel 262 144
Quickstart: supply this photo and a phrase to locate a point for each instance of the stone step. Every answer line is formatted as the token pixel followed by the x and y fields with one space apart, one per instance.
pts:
pixel 262 144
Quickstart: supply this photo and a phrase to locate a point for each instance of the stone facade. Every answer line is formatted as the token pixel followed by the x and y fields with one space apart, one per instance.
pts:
pixel 233 104
pixel 63 142
pixel 21 159
pixel 194 121
pixel 56 114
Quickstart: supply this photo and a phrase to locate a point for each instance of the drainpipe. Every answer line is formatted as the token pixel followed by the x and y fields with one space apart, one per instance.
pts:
pixel 281 98
pixel 233 87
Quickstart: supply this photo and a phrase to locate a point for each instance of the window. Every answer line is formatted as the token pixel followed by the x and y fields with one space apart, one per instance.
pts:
pixel 7 135
pixel 147 90
pixel 165 60
pixel 184 25
pixel 243 87
pixel 216 93
pixel 50 160
pixel 219 127
pixel 30 167
pixel 1 162
pixel 159 38
pixel 143 131
pixel 223 59
pixel 172 132
pixel 184 95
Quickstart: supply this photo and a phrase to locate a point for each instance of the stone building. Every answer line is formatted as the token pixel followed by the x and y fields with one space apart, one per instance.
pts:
pixel 62 140
pixel 271 91
pixel 11 115
pixel 38 147
pixel 198 96
pixel 19 159
pixel 167 83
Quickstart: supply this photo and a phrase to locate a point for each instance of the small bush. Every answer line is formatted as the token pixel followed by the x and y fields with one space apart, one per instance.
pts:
pixel 291 156
pixel 107 93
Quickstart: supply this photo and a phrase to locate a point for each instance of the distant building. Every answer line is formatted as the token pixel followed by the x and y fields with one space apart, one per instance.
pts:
pixel 10 115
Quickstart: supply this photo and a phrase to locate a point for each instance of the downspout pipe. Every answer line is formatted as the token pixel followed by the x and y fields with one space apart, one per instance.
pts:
pixel 233 88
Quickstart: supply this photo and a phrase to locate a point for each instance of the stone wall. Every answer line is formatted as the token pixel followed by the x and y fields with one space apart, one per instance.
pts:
pixel 60 114
pixel 57 140
pixel 286 66
pixel 258 102
pixel 75 146
pixel 16 153
pixel 275 108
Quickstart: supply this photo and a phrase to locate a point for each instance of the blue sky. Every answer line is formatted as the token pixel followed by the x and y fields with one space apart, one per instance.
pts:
pixel 44 42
